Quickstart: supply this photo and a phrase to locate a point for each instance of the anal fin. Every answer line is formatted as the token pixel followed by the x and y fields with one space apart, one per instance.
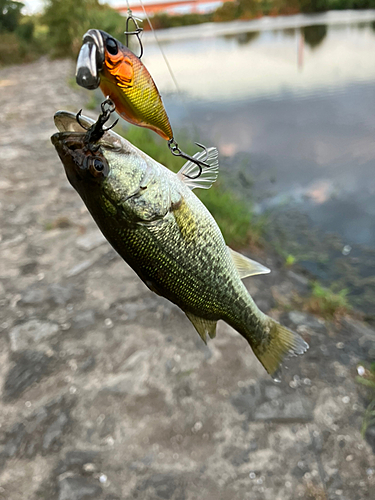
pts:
pixel 247 267
pixel 203 326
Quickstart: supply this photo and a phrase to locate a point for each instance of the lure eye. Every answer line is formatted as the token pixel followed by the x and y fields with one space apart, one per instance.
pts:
pixel 111 46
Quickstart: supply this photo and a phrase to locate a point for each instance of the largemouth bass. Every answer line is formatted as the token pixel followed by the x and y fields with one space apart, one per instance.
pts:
pixel 105 62
pixel 163 231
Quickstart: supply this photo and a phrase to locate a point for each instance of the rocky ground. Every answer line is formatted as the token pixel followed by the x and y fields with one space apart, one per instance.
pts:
pixel 108 392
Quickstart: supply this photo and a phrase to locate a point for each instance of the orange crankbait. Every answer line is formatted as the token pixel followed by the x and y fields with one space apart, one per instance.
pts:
pixel 106 63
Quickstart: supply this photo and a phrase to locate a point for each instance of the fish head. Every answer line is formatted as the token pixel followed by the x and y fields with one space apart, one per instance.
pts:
pixel 103 173
pixel 100 51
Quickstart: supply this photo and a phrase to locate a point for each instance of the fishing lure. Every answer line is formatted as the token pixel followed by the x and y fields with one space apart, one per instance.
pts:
pixel 105 62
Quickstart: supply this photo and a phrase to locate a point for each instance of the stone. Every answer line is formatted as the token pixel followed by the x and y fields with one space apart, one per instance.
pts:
pixel 31 334
pixel 29 268
pixel 238 456
pixel 89 241
pixel 370 437
pixel 41 432
pixel 298 318
pixel 59 294
pixel 78 488
pixel 84 319
pixel 134 380
pixel 76 460
pixel 79 268
pixel 246 399
pixel 164 486
pixel 290 408
pixel 272 392
pixel 300 469
pixel 14 441
pixel 31 367
pixel 54 431
pixel 33 296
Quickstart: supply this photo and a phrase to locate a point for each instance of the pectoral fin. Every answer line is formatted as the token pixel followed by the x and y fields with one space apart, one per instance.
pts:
pixel 203 326
pixel 247 267
pixel 209 174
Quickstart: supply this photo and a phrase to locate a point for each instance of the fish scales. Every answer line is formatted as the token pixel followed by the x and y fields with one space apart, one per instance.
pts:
pixel 164 232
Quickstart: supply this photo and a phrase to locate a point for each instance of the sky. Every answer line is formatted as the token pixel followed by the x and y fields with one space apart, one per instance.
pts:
pixel 33 6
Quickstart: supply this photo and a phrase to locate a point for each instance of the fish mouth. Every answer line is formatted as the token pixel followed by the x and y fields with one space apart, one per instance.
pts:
pixel 67 145
pixel 66 121
pixel 90 60
pixel 69 138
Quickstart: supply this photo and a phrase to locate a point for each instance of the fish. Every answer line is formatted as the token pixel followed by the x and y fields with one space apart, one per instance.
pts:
pixel 156 223
pixel 105 62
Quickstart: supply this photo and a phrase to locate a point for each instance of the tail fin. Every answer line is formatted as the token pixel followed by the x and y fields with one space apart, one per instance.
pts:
pixel 278 343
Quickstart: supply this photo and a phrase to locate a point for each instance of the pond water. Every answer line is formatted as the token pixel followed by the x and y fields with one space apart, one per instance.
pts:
pixel 299 101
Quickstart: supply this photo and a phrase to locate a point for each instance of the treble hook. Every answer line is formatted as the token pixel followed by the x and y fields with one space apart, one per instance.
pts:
pixel 96 131
pixel 176 151
pixel 137 32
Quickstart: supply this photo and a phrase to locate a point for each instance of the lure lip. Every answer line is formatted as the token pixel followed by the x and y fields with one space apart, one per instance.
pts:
pixel 90 60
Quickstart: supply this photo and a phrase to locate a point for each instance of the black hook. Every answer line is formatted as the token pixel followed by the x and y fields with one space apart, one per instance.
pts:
pixel 176 151
pixel 96 131
pixel 136 32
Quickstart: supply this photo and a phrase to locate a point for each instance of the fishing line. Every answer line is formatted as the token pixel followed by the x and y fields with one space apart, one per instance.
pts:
pixel 160 48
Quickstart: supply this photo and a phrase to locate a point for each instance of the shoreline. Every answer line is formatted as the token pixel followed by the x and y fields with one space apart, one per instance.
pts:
pixel 266 23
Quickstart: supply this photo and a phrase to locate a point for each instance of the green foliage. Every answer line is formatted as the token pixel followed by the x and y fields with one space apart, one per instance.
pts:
pixel 326 302
pixel 92 102
pixel 290 260
pixel 68 20
pixel 10 15
pixel 227 12
pixel 368 379
pixel 163 20
pixel 25 30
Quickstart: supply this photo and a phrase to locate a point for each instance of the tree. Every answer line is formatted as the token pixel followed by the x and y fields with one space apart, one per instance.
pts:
pixel 10 14
pixel 68 20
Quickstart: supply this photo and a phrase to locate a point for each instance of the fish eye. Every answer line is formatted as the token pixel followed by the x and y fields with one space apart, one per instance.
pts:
pixel 97 167
pixel 111 46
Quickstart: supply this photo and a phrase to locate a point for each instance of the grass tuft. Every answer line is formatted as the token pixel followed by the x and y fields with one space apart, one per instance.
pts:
pixel 367 378
pixel 327 303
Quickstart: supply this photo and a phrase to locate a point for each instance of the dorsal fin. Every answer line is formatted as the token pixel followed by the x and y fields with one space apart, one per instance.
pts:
pixel 203 326
pixel 208 175
pixel 247 267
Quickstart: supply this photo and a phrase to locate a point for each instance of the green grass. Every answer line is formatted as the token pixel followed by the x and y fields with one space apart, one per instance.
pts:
pixel 92 102
pixel 327 302
pixel 233 215
pixel 368 380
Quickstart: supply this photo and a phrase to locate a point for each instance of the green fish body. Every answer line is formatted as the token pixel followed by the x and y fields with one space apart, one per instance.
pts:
pixel 162 230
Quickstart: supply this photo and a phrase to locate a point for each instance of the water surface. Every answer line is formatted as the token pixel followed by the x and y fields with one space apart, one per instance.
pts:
pixel 294 109
pixel 301 102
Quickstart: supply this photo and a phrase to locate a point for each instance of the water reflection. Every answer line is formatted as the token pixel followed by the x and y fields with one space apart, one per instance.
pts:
pixel 267 63
pixel 314 35
pixel 300 101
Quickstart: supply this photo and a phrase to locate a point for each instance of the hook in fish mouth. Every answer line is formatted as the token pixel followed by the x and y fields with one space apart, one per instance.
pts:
pixel 96 131
pixel 90 60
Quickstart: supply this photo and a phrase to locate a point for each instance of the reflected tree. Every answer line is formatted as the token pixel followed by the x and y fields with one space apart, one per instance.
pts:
pixel 289 32
pixel 314 35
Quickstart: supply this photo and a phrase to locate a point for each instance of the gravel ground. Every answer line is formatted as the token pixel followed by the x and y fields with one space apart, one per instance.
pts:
pixel 108 392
